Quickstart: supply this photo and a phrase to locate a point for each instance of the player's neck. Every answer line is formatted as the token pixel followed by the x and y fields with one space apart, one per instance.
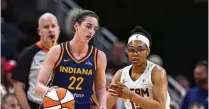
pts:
pixel 139 69
pixel 78 46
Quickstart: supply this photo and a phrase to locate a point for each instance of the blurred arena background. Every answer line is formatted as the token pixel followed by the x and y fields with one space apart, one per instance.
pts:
pixel 179 30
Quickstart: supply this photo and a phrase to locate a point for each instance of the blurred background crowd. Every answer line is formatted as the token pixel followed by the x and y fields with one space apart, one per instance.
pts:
pixel 179 29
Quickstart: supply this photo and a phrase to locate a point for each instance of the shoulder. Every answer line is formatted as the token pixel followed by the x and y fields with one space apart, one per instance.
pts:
pixel 119 72
pixel 101 55
pixel 158 70
pixel 55 49
pixel 127 67
pixel 125 70
pixel 158 73
pixel 101 59
pixel 31 49
pixel 29 52
pixel 117 75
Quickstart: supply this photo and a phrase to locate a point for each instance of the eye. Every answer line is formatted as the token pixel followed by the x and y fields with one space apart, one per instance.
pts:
pixel 96 28
pixel 46 26
pixel 53 26
pixel 130 49
pixel 88 26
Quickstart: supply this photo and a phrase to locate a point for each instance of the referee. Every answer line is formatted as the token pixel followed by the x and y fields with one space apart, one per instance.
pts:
pixel 31 60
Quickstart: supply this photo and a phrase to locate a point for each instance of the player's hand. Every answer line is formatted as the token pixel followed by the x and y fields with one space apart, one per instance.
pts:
pixel 102 107
pixel 50 89
pixel 120 90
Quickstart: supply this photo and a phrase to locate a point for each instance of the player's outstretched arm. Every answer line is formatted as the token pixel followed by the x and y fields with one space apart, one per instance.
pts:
pixel 100 79
pixel 46 69
pixel 159 80
pixel 111 100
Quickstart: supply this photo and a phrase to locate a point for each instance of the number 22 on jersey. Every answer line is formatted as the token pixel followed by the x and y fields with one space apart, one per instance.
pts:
pixel 78 80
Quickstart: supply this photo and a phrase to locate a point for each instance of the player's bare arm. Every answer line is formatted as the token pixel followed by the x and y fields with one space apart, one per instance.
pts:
pixel 111 100
pixel 46 69
pixel 159 80
pixel 21 95
pixel 100 79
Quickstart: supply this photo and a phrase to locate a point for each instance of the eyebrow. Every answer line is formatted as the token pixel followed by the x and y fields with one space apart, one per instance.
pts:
pixel 137 46
pixel 91 24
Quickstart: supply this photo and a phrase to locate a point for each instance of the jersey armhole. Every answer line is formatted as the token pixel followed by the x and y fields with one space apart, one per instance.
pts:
pixel 122 77
pixel 95 58
pixel 60 56
pixel 150 75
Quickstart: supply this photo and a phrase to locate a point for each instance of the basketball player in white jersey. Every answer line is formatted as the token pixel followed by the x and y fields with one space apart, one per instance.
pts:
pixel 143 84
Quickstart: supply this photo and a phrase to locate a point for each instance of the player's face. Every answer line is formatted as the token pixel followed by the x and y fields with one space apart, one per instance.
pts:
pixel 200 75
pixel 137 52
pixel 86 29
pixel 49 29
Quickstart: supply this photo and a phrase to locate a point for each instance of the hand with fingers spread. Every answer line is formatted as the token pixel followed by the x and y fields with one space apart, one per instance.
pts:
pixel 120 90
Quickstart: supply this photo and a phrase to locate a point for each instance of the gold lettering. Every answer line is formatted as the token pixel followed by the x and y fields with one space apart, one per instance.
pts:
pixel 85 71
pixel 74 70
pixel 70 70
pixel 78 71
pixel 60 68
pixel 65 69
pixel 90 72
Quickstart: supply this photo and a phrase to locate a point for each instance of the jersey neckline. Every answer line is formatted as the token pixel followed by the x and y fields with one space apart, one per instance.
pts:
pixel 90 49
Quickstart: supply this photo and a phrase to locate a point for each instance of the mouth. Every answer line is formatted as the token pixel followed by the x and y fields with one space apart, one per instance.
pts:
pixel 135 60
pixel 88 36
pixel 52 36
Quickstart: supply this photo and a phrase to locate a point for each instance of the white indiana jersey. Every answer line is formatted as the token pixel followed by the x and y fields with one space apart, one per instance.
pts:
pixel 142 86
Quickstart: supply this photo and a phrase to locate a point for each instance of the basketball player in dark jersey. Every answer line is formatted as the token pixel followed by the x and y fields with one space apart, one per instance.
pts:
pixel 77 66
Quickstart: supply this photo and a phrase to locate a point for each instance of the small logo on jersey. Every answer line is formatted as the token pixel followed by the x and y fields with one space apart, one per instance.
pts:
pixel 124 81
pixel 89 63
pixel 144 81
pixel 78 95
pixel 67 60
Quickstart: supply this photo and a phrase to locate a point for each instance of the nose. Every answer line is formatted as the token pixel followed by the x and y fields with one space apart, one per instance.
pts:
pixel 135 55
pixel 51 29
pixel 92 31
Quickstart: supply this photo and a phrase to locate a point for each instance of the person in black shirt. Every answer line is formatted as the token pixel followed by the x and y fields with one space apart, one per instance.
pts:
pixel 31 60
